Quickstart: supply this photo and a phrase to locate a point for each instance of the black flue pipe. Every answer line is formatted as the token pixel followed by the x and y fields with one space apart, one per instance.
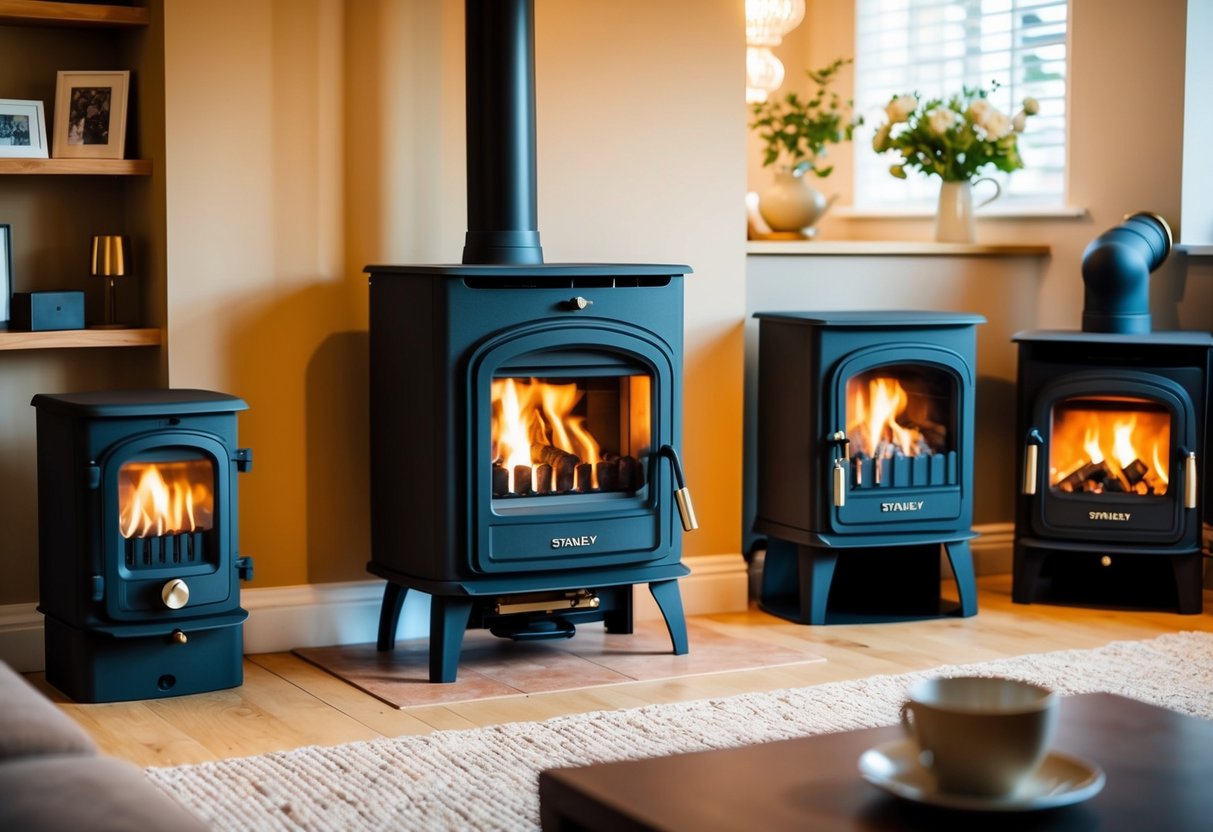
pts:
pixel 1116 271
pixel 501 169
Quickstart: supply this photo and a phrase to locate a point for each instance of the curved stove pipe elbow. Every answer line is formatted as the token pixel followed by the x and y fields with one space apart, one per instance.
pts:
pixel 1116 269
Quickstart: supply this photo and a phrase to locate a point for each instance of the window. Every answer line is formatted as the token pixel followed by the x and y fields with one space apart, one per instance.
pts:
pixel 934 48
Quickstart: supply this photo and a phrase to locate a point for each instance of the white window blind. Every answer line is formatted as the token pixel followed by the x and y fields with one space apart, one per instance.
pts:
pixel 933 48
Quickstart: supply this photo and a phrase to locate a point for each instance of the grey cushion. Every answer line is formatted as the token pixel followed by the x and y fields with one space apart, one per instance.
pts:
pixel 32 724
pixel 73 792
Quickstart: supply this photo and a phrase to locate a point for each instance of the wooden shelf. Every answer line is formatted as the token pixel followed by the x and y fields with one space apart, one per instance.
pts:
pixel 47 13
pixel 77 338
pixel 79 167
pixel 872 248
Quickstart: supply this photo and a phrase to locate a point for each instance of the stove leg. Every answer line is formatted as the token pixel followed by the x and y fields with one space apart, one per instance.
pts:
pixel 1024 574
pixel 448 621
pixel 389 615
pixel 669 600
pixel 816 575
pixel 961 559
pixel 1189 588
pixel 619 619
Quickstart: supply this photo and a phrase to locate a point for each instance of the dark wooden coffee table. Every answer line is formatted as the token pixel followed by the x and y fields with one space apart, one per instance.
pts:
pixel 1159 767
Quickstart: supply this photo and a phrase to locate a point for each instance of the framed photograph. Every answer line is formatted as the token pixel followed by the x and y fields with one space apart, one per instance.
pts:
pixel 6 275
pixel 22 129
pixel 90 115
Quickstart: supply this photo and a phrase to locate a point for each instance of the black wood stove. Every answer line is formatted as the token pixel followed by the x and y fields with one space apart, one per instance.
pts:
pixel 1114 421
pixel 864 463
pixel 525 417
pixel 137 540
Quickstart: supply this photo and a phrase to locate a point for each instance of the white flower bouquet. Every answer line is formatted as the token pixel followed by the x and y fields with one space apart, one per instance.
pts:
pixel 955 138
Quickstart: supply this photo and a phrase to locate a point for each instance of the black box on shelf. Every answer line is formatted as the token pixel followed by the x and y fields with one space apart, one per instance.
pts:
pixel 39 311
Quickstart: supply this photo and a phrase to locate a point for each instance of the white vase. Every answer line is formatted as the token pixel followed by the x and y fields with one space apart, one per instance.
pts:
pixel 791 204
pixel 954 218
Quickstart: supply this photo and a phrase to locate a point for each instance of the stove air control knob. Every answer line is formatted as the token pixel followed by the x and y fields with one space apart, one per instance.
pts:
pixel 175 594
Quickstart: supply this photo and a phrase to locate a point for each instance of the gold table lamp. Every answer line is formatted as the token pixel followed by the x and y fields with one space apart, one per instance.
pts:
pixel 111 259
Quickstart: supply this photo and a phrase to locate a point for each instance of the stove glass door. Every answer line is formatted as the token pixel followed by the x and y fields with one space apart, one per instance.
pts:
pixel 570 435
pixel 1110 445
pixel 166 508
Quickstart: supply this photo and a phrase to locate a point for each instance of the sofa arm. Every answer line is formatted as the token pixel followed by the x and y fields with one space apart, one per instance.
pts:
pixel 30 724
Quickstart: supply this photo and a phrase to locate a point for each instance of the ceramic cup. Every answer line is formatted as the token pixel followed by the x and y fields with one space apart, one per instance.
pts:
pixel 980 736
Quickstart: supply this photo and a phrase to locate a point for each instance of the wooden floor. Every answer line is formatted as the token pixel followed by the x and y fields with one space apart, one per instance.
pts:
pixel 287 703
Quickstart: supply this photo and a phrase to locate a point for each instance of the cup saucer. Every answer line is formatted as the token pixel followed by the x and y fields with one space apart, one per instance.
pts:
pixel 1061 780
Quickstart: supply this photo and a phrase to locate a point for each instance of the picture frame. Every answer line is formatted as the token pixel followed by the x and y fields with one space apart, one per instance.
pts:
pixel 6 275
pixel 22 129
pixel 90 114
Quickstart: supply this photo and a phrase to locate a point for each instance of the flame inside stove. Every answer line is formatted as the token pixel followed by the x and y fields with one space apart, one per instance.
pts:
pixel 569 435
pixel 158 498
pixel 883 421
pixel 529 417
pixel 1110 445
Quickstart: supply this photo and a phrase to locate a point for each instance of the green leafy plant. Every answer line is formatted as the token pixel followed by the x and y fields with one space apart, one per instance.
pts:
pixel 796 131
pixel 953 138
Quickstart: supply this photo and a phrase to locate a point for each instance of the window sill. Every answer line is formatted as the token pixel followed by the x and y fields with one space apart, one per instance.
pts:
pixel 893 248
pixel 1195 249
pixel 919 212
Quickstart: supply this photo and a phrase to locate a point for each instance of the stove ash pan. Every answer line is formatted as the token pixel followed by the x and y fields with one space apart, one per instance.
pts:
pixel 138 563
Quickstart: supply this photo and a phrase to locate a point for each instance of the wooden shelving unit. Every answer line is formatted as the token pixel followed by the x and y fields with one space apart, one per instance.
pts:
pixel 96 16
pixel 47 13
pixel 76 338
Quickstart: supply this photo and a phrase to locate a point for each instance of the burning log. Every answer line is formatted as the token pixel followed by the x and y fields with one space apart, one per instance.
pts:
pixel 522 479
pixel 1135 472
pixel 562 462
pixel 631 474
pixel 1085 478
pixel 608 474
pixel 585 477
pixel 501 480
pixel 543 478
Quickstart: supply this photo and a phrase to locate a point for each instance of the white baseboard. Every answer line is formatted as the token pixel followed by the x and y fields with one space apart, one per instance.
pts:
pixel 315 615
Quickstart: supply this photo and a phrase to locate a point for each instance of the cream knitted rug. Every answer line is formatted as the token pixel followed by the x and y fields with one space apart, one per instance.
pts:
pixel 485 778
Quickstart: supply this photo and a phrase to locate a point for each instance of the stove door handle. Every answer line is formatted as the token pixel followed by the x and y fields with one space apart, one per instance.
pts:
pixel 1190 480
pixel 1030 462
pixel 682 494
pixel 840 484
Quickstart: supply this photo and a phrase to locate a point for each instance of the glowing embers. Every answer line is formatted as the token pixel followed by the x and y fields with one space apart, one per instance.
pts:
pixel 165 511
pixel 1110 445
pixel 897 427
pixel 561 436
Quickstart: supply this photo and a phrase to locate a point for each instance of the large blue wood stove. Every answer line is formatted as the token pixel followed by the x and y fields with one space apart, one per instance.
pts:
pixel 526 418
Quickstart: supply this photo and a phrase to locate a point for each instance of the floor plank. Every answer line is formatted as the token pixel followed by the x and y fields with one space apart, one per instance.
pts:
pixel 286 702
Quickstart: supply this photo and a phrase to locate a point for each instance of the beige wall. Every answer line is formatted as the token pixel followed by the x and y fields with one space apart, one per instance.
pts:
pixel 308 138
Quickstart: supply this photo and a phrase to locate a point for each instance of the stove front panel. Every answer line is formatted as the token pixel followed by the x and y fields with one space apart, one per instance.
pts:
pixel 865 424
pixel 565 420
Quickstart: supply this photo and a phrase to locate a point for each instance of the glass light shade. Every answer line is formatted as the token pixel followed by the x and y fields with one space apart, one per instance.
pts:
pixel 763 73
pixel 767 21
